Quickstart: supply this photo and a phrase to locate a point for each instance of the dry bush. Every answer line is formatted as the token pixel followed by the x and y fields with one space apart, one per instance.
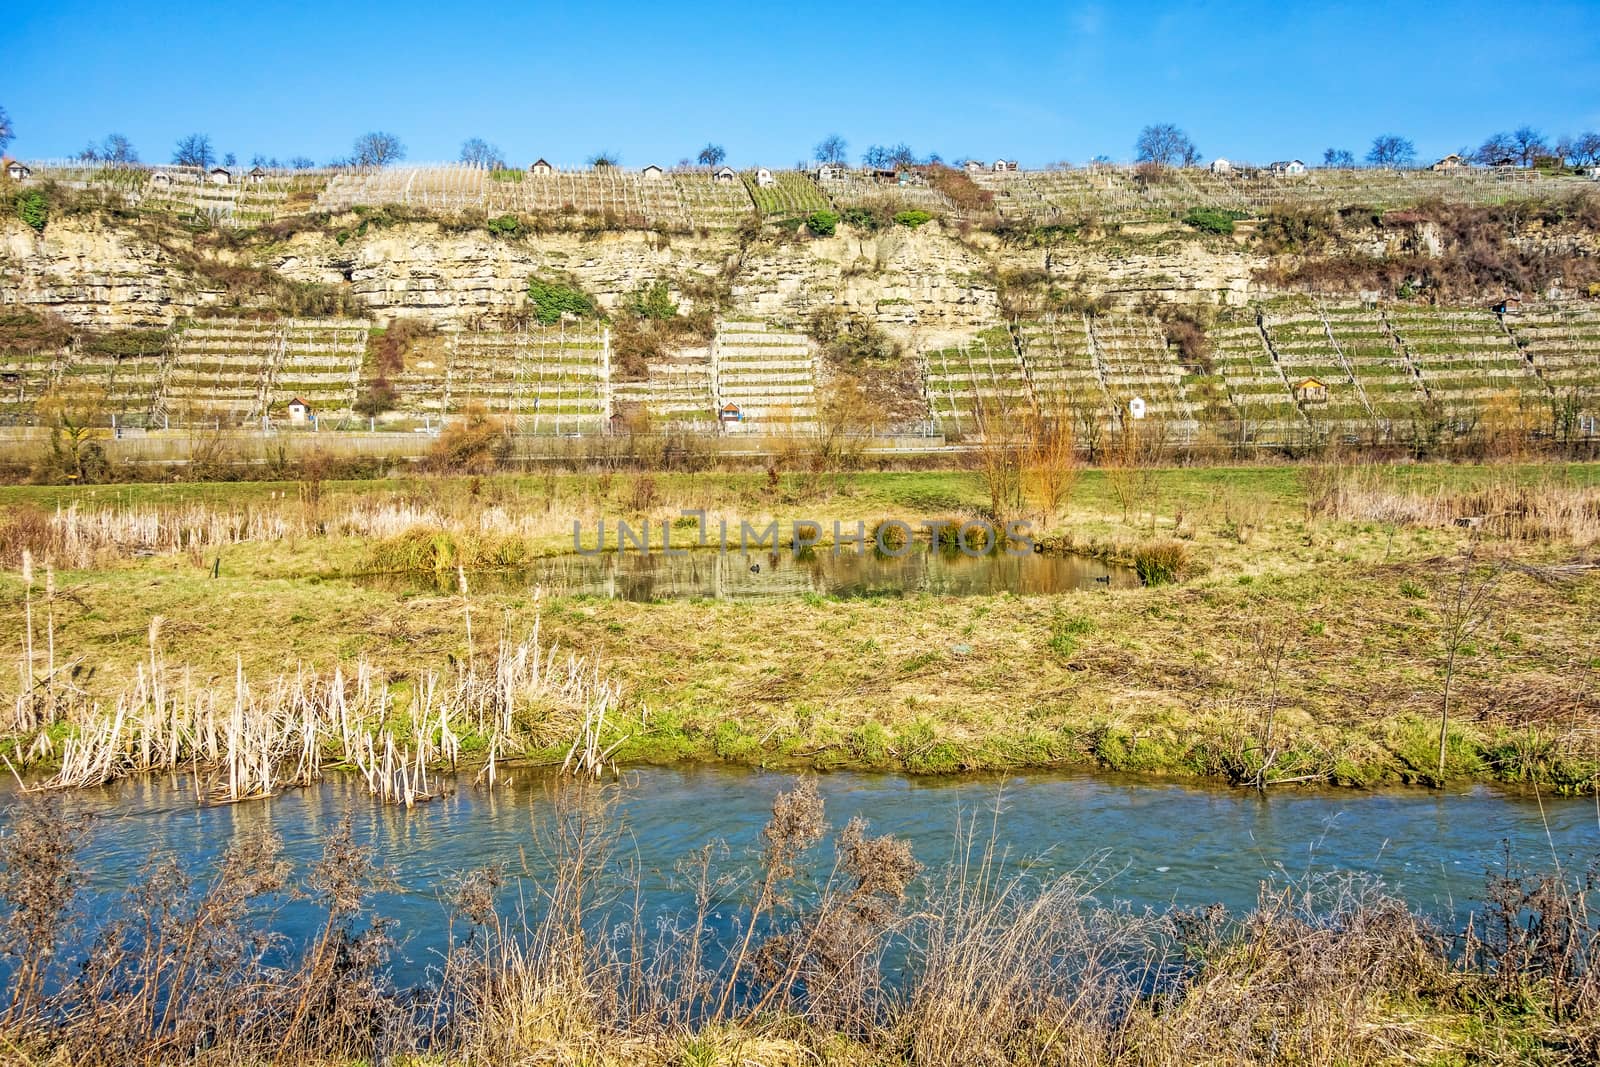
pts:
pixel 1308 977
pixel 475 443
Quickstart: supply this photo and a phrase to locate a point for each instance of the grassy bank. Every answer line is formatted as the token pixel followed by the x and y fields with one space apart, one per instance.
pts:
pixel 1307 638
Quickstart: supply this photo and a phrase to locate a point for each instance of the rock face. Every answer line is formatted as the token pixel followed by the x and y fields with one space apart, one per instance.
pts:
pixel 928 287
pixel 93 274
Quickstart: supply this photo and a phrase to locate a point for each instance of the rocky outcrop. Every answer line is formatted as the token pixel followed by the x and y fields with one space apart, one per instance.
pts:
pixel 928 287
pixel 92 273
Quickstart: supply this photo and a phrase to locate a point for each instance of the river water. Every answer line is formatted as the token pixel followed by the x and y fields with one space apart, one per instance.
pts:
pixel 1150 843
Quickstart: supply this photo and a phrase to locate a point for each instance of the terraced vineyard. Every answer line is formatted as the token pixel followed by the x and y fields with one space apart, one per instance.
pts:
pixel 1259 390
pixel 129 386
pixel 1465 358
pixel 983 379
pixel 25 377
pixel 1135 362
pixel 678 199
pixel 188 192
pixel 222 369
pixel 1058 356
pixel 792 194
pixel 545 379
pixel 852 188
pixel 1299 339
pixel 1563 345
pixel 770 374
pixel 1389 371
pixel 1117 192
pixel 244 370
pixel 1387 380
pixel 677 392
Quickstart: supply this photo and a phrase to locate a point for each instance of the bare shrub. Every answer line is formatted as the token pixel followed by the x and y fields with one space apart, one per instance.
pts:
pixel 476 443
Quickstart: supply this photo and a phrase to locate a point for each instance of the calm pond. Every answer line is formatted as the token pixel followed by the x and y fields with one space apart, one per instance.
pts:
pixel 1152 844
pixel 710 575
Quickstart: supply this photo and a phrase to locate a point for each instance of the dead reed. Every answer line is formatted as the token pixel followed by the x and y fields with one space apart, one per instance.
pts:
pixel 1544 512
pixel 250 738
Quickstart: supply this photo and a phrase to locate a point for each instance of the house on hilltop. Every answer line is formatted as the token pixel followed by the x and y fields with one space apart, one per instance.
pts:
pixel 1451 162
pixel 830 172
pixel 1286 166
pixel 161 178
pixel 651 173
pixel 975 166
pixel 18 171
pixel 257 175
pixel 540 166
pixel 1005 164
pixel 219 176
pixel 1220 166
pixel 724 176
pixel 764 177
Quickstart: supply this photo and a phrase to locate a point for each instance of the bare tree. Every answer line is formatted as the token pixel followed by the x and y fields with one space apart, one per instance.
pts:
pixel 302 163
pixel 711 155
pixel 1586 148
pixel 888 157
pixel 1529 144
pixel 1464 594
pixel 1497 149
pixel 1002 449
pixel 1272 641
pixel 194 151
pixel 1338 157
pixel 480 153
pixel 831 149
pixel 1391 150
pixel 1050 465
pixel 118 149
pixel 1165 145
pixel 377 149
pixel 605 158
pixel 1131 461
pixel 7 131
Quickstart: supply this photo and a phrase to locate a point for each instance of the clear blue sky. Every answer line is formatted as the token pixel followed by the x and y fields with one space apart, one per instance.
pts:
pixel 1035 81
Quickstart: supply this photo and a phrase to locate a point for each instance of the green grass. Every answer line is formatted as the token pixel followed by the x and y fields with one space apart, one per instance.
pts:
pixel 1155 680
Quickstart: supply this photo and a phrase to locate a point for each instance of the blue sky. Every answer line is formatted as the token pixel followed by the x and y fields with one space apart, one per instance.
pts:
pixel 653 82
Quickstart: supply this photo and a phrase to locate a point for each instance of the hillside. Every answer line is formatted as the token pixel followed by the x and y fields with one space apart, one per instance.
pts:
pixel 566 300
